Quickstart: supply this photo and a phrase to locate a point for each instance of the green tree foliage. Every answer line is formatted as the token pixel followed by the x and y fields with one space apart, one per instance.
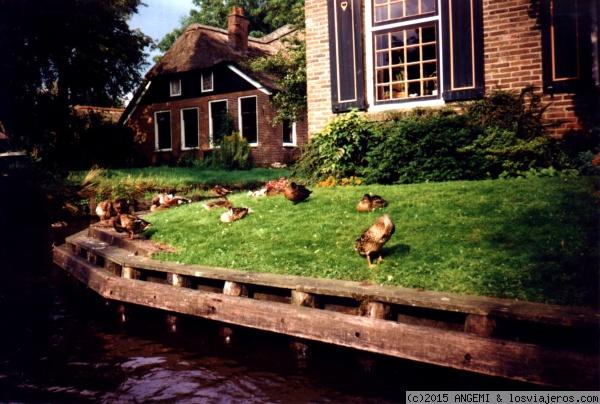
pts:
pixel 289 65
pixel 61 53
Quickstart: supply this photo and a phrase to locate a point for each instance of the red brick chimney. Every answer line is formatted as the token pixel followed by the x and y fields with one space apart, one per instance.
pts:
pixel 237 29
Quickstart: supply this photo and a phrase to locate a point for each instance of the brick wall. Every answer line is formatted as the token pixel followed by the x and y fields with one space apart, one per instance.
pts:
pixel 317 65
pixel 512 54
pixel 269 150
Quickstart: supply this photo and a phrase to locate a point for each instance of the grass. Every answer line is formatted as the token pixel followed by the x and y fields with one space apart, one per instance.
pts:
pixel 533 240
pixel 136 182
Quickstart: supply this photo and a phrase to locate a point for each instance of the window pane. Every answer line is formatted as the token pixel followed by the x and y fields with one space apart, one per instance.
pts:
pixel 163 129
pixel 287 128
pixel 249 123
pixel 207 81
pixel 175 87
pixel 564 24
pixel 219 121
pixel 413 69
pixel 386 10
pixel 190 128
pixel 382 59
pixel 381 42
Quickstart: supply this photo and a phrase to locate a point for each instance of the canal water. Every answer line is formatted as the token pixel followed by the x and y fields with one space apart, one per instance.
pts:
pixel 62 344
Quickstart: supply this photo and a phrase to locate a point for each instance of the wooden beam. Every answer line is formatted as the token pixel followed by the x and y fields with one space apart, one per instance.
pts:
pixel 459 350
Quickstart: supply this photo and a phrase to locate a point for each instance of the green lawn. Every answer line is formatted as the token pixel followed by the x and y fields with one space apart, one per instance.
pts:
pixel 534 239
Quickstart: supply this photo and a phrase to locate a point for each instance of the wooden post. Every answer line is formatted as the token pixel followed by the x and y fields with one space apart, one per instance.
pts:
pixel 177 281
pixel 235 289
pixel 232 289
pixel 377 310
pixel 480 325
pixel 130 273
pixel 113 268
pixel 302 299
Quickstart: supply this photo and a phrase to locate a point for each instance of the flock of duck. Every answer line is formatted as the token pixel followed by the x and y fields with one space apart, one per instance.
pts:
pixel 117 215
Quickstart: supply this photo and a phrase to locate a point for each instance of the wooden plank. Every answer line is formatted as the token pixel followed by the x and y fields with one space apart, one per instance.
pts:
pixel 477 305
pixel 514 360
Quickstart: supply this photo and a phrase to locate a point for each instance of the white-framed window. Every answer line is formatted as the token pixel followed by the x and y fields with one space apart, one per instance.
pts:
pixel 248 119
pixel 404 38
pixel 189 128
pixel 162 130
pixel 218 121
pixel 288 129
pixel 206 81
pixel 175 87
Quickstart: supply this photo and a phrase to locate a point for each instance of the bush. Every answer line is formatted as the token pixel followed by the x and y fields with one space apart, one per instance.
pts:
pixel 423 146
pixel 235 153
pixel 339 150
pixel 501 135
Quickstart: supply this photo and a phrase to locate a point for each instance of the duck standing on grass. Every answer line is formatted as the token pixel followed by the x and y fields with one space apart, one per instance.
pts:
pixel 130 224
pixel 296 193
pixel 373 239
pixel 369 203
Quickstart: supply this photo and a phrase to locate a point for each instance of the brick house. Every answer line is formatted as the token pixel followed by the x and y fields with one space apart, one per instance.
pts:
pixel 200 85
pixel 378 55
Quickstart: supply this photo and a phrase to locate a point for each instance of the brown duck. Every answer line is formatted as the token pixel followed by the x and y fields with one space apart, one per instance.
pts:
pixel 130 224
pixel 223 202
pixel 369 203
pixel 219 191
pixel 373 239
pixel 234 214
pixel 296 193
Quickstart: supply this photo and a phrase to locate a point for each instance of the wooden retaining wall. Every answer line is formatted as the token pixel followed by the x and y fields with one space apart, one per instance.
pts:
pixel 536 343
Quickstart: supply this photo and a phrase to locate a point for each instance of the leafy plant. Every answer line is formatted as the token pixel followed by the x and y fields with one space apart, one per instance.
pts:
pixel 235 153
pixel 338 151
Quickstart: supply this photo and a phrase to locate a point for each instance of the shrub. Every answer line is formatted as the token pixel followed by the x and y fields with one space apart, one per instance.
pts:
pixel 339 150
pixel 235 153
pixel 423 146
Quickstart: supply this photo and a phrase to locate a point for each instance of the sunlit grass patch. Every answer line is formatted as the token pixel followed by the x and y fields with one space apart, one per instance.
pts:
pixel 534 239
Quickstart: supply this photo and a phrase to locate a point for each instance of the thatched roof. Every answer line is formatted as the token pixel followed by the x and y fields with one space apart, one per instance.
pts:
pixel 201 47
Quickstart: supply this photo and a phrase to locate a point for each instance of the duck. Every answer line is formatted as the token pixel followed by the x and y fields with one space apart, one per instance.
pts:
pixel 105 210
pixel 121 206
pixel 374 238
pixel 219 191
pixel 369 203
pixel 223 202
pixel 131 224
pixel 234 214
pixel 169 200
pixel 296 193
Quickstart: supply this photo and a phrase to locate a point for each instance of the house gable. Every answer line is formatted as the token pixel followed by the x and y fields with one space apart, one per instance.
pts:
pixel 226 79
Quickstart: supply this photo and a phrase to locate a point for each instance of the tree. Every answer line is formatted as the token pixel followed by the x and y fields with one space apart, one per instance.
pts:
pixel 60 53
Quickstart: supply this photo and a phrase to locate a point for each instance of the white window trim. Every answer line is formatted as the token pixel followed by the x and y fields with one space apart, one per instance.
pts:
pixel 156 131
pixel 210 121
pixel 173 94
pixel 370 68
pixel 183 128
pixel 212 84
pixel 294 141
pixel 240 118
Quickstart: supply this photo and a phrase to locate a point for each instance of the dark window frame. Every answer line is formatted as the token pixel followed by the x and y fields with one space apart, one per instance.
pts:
pixel 158 131
pixel 184 129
